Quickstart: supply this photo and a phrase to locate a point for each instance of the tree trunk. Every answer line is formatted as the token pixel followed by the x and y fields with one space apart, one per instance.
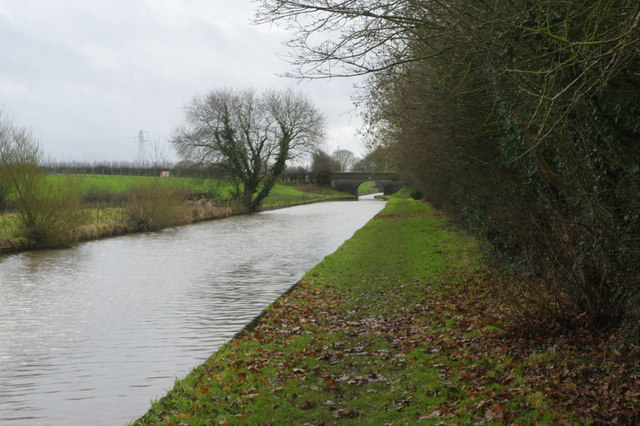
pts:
pixel 247 197
pixel 277 168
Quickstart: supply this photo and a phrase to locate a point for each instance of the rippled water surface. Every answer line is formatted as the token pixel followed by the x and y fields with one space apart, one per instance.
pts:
pixel 91 334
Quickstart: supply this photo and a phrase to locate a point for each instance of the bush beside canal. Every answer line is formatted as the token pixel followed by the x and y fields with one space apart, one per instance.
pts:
pixel 403 325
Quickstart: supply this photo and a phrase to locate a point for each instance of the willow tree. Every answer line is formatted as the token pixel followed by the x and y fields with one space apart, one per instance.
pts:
pixel 251 136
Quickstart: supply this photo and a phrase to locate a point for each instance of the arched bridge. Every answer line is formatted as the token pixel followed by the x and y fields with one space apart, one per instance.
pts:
pixel 349 182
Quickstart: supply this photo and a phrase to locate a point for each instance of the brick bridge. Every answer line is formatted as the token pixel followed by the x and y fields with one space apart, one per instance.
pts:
pixel 349 182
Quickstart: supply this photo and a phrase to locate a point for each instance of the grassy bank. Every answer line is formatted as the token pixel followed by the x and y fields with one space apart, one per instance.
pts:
pixel 115 205
pixel 401 325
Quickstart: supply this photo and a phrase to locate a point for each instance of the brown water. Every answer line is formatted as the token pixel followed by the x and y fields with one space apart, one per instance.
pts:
pixel 92 334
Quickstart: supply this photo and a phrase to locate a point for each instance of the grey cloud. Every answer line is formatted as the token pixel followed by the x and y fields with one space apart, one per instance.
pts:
pixel 87 75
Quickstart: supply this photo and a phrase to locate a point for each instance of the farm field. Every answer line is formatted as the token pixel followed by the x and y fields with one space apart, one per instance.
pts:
pixel 119 185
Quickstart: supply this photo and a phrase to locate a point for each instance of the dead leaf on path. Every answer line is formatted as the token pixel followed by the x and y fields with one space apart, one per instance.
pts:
pixel 351 414
pixel 308 405
pixel 495 412
pixel 330 384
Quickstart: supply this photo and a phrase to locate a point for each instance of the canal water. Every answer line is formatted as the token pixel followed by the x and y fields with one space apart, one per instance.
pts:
pixel 92 334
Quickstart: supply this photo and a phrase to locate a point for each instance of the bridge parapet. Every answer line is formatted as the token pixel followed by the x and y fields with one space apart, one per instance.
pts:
pixel 349 182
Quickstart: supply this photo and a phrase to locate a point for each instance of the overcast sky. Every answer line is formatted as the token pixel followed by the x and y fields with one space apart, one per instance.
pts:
pixel 87 76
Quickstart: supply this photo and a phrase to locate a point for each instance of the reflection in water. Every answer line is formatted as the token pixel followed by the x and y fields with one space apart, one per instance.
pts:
pixel 91 334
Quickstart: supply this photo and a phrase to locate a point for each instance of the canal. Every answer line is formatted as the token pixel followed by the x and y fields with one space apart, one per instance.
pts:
pixel 92 334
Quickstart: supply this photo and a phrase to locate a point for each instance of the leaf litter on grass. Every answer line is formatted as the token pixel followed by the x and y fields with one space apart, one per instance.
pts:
pixel 358 342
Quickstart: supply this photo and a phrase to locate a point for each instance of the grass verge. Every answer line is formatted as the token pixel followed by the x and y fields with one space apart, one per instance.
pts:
pixel 400 326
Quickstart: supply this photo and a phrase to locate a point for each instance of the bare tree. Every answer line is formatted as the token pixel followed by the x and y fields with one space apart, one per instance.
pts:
pixel 344 38
pixel 19 156
pixel 159 156
pixel 250 135
pixel 345 158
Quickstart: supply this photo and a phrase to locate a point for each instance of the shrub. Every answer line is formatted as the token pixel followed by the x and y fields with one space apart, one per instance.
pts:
pixel 97 193
pixel 4 193
pixel 154 206
pixel 198 210
pixel 416 195
pixel 48 216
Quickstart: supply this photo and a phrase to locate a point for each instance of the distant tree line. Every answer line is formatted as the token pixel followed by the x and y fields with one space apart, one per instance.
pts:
pixel 318 171
pixel 125 168
pixel 519 118
pixel 323 165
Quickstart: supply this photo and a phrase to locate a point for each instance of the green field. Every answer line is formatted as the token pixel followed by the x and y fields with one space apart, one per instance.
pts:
pixel 121 185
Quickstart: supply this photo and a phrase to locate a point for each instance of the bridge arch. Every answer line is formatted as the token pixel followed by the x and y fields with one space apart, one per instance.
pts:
pixel 349 182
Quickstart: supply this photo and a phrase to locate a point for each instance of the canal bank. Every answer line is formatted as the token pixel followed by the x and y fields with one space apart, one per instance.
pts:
pixel 111 222
pixel 403 324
